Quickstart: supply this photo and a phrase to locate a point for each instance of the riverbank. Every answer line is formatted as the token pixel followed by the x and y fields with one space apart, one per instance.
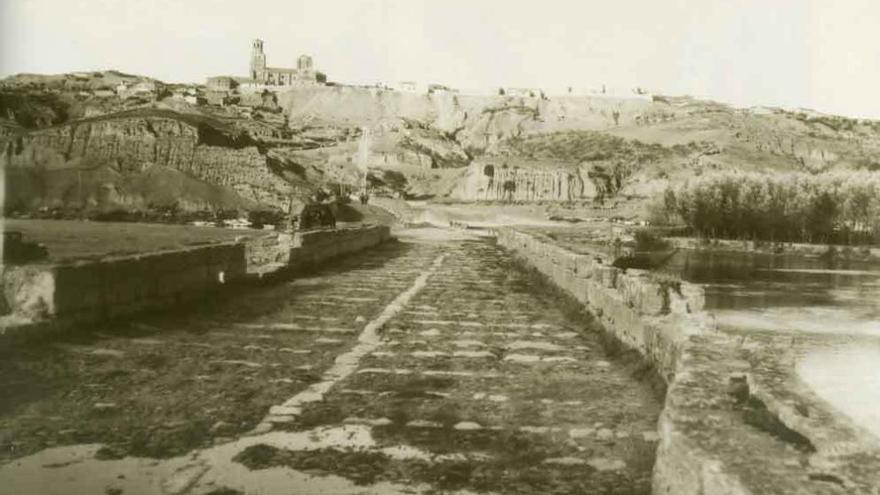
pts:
pixel 863 253
pixel 737 418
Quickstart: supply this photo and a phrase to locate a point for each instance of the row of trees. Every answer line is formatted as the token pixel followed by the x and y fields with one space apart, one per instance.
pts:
pixel 833 207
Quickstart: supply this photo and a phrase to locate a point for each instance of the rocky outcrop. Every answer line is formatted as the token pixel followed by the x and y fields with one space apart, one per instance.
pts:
pixel 132 144
pixel 563 166
pixel 127 144
pixel 809 153
pixel 491 181
pixel 559 148
pixel 812 142
pixel 667 138
pixel 31 110
pixel 244 170
pixel 497 122
pixel 434 149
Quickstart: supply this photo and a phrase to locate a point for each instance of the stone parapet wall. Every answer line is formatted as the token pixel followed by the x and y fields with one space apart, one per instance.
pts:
pixel 401 210
pixel 657 322
pixel 268 250
pixel 736 420
pixel 637 308
pixel 116 286
pixel 88 291
pixel 315 246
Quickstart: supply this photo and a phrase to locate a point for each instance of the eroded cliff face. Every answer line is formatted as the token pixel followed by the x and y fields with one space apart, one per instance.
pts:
pixel 560 148
pixel 128 147
pixel 485 181
pixel 452 130
pixel 812 153
pixel 126 144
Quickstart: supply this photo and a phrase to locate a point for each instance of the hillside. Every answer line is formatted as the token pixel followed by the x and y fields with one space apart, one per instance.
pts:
pixel 577 147
pixel 69 142
pixel 136 159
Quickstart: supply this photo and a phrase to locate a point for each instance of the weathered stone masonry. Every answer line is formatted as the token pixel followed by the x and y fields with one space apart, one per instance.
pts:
pixel 114 286
pixel 640 311
pixel 710 441
pixel 87 291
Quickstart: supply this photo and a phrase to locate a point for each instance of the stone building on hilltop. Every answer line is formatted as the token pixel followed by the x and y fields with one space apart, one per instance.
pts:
pixel 303 75
pixel 251 91
pixel 148 89
pixel 221 83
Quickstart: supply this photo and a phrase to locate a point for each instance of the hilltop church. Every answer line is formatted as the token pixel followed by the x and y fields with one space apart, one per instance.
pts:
pixel 303 74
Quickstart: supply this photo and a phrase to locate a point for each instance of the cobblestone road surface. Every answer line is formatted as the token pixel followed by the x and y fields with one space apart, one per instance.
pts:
pixel 422 366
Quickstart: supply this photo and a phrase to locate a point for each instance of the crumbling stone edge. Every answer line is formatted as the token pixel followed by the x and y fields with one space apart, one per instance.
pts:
pixel 669 327
pixel 43 299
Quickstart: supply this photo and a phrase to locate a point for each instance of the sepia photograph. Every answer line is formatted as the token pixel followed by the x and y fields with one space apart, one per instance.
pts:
pixel 398 247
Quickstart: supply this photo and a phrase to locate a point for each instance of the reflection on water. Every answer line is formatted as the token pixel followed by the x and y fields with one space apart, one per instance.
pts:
pixel 797 294
pixel 848 378
pixel 785 292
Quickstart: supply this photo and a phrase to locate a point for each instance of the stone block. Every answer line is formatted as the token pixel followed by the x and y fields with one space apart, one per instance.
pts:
pixel 694 296
pixel 653 299
pixel 235 266
pixel 216 274
pixel 560 256
pixel 181 281
pixel 592 288
pixel 677 304
pixel 223 253
pixel 165 263
pixel 148 286
pixel 608 275
pixel 557 274
pixel 628 289
pixel 641 293
pixel 78 286
pixel 122 278
pixel 584 266
pixel 580 290
pixel 29 291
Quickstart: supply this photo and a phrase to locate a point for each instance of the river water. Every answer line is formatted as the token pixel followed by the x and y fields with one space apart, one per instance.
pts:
pixel 797 294
pixel 785 292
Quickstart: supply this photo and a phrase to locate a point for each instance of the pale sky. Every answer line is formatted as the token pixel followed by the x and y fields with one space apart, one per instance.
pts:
pixel 820 54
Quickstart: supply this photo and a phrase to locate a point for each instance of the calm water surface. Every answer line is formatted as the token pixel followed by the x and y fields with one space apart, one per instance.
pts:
pixel 785 292
pixel 799 294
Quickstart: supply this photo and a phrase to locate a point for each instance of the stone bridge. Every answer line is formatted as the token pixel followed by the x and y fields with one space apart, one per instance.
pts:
pixel 439 363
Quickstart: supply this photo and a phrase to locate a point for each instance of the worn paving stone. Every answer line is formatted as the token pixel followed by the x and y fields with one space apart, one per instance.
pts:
pixel 497 367
pixel 229 359
pixel 444 402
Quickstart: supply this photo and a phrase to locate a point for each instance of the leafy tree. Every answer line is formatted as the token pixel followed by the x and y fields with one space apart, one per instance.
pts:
pixel 259 218
pixel 840 207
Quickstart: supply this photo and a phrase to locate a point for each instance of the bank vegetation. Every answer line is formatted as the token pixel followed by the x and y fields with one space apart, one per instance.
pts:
pixel 840 207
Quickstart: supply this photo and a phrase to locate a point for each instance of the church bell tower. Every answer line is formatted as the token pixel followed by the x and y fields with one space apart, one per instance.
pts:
pixel 258 59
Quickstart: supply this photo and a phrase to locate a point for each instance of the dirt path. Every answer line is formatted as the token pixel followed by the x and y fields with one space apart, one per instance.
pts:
pixel 433 366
